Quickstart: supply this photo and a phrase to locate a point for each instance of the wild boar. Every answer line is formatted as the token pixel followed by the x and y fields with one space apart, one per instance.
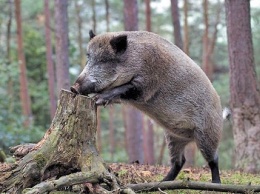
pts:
pixel 158 78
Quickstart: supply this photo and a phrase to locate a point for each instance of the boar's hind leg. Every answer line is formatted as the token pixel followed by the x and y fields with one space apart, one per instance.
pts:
pixel 176 149
pixel 208 147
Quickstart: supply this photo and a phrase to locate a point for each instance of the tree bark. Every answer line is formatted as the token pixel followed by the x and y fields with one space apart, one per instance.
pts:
pixel 245 101
pixel 94 22
pixel 134 137
pixel 99 139
pixel 215 32
pixel 8 32
pixel 62 45
pixel 130 15
pixel 80 40
pixel 149 142
pixel 10 87
pixel 209 43
pixel 176 23
pixel 148 15
pixel 107 16
pixel 161 154
pixel 206 65
pixel 50 65
pixel 111 131
pixel 186 41
pixel 24 94
pixel 69 147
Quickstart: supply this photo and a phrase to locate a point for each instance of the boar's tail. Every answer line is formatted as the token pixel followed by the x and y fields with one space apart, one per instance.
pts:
pixel 226 114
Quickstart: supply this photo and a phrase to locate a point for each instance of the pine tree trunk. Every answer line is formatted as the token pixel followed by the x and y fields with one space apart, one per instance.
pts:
pixel 130 15
pixel 111 131
pixel 80 39
pixel 69 147
pixel 186 41
pixel 134 135
pixel 62 44
pixel 107 16
pixel 99 140
pixel 245 97
pixel 149 142
pixel 148 15
pixel 134 127
pixel 94 22
pixel 24 94
pixel 176 23
pixel 206 64
pixel 10 88
pixel 50 65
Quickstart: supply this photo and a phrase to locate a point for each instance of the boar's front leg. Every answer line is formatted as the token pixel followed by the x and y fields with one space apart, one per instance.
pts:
pixel 125 92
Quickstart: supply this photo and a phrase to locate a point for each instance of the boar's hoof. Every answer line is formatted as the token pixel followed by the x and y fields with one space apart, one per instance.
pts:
pixel 101 101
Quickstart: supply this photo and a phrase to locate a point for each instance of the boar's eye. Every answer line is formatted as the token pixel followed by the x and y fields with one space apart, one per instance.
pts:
pixel 119 43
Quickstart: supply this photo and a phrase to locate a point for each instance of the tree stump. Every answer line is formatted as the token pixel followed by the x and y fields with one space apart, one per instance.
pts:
pixel 67 155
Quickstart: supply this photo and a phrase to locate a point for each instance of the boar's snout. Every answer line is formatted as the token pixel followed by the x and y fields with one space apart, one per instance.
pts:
pixel 75 88
pixel 84 88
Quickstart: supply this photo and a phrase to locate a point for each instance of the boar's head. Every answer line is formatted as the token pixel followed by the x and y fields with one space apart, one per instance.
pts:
pixel 104 69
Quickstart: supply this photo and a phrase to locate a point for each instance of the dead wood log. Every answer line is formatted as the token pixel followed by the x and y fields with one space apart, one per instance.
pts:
pixel 192 185
pixel 68 148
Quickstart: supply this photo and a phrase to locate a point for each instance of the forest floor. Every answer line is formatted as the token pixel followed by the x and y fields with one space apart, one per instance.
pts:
pixel 136 173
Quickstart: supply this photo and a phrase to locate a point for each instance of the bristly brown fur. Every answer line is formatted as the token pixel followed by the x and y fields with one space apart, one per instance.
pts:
pixel 158 78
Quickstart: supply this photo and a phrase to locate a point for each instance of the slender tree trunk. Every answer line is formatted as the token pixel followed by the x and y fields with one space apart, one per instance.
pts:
pixel 111 131
pixel 215 32
pixel 206 65
pixel 99 139
pixel 148 15
pixel 209 43
pixel 134 135
pixel 190 153
pixel 148 130
pixel 161 154
pixel 130 15
pixel 245 101
pixel 107 15
pixel 186 41
pixel 24 94
pixel 94 22
pixel 8 32
pixel 62 45
pixel 149 142
pixel 50 65
pixel 176 23
pixel 8 56
pixel 80 40
pixel 134 117
pixel 190 150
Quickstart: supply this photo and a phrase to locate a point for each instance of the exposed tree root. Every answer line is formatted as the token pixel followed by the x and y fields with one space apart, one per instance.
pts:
pixel 66 155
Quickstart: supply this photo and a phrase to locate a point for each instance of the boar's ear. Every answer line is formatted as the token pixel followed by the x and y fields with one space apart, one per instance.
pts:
pixel 91 34
pixel 119 43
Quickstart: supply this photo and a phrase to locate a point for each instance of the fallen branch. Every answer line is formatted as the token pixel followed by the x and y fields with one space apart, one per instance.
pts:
pixel 174 185
pixel 92 177
pixel 68 180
